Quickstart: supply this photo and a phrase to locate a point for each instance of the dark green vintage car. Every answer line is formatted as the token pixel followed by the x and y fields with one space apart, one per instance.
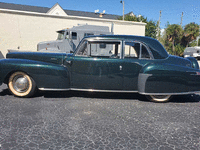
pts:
pixel 110 63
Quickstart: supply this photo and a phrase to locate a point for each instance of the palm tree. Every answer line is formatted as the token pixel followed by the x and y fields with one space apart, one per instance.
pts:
pixel 174 34
pixel 191 32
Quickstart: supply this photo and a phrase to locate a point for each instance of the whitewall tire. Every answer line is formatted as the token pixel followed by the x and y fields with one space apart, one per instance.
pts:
pixel 22 85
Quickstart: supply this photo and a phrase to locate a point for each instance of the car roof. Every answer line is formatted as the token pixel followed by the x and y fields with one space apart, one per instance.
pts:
pixel 156 47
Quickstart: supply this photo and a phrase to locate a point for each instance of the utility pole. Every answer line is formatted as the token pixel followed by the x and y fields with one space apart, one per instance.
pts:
pixel 158 29
pixel 123 8
pixel 198 37
pixel 181 19
pixel 159 21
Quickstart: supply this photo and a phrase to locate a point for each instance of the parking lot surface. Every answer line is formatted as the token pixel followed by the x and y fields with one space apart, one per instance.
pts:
pixel 81 120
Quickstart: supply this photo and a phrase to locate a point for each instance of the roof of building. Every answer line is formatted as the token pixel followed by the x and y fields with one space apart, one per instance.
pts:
pixel 39 9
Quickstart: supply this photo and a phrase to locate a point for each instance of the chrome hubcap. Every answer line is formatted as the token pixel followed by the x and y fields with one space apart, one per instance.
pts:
pixel 20 83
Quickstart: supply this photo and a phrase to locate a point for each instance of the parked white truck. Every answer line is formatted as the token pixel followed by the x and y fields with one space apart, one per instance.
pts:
pixel 192 52
pixel 68 39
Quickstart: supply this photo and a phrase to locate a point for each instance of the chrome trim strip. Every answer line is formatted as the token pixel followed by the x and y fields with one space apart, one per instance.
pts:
pixel 93 90
pixel 119 91
pixel 87 90
pixel 95 39
pixel 181 93
pixel 48 89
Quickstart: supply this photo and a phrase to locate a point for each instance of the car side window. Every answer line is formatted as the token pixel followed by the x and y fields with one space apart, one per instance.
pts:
pixel 145 53
pixel 135 50
pixel 104 49
pixel 131 50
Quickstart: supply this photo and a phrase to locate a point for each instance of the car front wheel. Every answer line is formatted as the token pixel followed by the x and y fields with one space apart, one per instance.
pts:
pixel 159 98
pixel 21 85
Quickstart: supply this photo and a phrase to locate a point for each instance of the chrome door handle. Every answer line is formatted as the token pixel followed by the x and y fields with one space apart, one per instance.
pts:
pixel 69 62
pixel 120 67
pixel 53 58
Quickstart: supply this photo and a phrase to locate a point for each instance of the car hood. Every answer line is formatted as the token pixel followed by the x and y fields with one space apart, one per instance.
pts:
pixel 56 58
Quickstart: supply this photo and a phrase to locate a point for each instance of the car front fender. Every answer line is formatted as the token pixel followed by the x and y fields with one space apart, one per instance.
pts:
pixel 46 75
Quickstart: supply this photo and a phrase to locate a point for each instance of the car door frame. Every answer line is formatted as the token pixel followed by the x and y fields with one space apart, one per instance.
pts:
pixel 88 58
pixel 130 79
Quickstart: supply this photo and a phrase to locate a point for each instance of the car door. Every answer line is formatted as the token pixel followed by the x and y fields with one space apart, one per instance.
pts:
pixel 136 55
pixel 95 66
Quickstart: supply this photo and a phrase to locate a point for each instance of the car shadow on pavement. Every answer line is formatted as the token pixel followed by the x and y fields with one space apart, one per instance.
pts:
pixel 118 96
pixel 101 95
pixel 5 92
pixel 186 98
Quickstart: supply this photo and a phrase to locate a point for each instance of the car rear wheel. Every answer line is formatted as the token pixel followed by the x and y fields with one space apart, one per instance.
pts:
pixel 21 85
pixel 159 98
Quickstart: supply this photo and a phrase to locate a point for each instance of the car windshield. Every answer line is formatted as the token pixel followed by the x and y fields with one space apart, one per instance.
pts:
pixel 60 35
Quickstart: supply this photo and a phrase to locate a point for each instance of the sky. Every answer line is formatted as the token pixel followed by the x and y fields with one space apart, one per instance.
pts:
pixel 171 10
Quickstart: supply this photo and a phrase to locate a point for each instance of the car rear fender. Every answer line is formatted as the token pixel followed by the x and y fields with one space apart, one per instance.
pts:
pixel 46 75
pixel 194 62
pixel 163 78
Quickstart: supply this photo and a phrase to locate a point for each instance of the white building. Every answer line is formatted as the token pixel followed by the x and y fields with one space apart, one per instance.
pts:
pixel 23 27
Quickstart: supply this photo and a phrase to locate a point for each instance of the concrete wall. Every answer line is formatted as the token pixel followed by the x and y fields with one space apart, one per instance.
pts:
pixel 26 30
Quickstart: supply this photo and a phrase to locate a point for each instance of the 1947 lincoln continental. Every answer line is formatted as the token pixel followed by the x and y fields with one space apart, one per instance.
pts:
pixel 107 63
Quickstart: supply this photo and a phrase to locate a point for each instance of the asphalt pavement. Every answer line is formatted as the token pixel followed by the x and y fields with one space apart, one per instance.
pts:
pixel 98 121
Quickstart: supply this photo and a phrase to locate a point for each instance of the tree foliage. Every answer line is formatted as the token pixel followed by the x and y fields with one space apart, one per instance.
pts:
pixel 150 29
pixel 191 31
pixel 174 34
pixel 133 18
pixel 176 39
